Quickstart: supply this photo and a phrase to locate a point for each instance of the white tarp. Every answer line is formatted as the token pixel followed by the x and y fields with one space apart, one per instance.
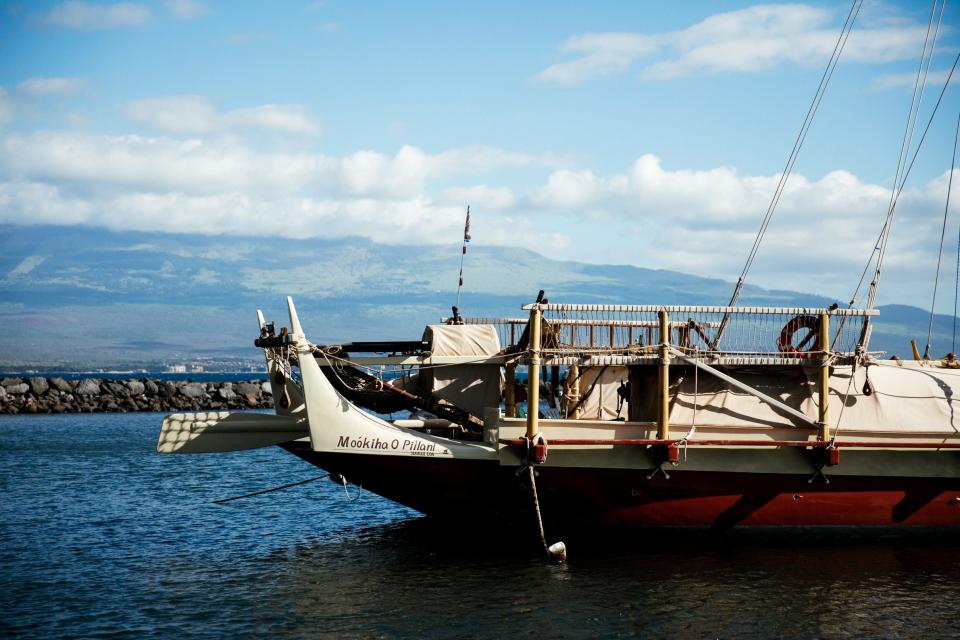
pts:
pixel 598 389
pixel 462 339
pixel 904 399
pixel 468 386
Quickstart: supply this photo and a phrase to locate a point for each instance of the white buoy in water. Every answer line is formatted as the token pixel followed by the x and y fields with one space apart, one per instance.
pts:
pixel 557 552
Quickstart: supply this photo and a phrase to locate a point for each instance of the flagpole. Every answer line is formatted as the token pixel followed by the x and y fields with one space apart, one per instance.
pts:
pixel 463 253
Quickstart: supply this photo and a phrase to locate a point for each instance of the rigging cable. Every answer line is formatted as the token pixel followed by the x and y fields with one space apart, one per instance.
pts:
pixel 943 233
pixel 794 153
pixel 900 160
pixel 883 230
pixel 901 176
pixel 956 282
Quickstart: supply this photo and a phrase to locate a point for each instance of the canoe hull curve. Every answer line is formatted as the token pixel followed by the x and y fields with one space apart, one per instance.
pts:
pixel 629 498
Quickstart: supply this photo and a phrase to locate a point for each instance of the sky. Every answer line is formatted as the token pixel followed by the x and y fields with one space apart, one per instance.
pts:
pixel 648 134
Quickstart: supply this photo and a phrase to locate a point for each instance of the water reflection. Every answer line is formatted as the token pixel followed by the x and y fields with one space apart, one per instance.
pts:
pixel 410 577
pixel 100 536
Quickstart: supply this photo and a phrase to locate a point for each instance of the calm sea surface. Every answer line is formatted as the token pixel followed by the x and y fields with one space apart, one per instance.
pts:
pixel 100 536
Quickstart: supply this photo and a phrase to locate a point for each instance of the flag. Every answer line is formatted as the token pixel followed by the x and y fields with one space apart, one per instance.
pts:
pixel 466 228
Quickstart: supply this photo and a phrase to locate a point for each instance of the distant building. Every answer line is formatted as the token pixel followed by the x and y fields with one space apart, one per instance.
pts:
pixel 177 368
pixel 196 368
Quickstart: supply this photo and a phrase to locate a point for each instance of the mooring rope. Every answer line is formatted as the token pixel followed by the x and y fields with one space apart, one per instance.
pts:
pixel 536 504
pixel 259 493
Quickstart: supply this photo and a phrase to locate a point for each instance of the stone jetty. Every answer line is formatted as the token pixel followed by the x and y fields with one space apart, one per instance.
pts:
pixel 90 395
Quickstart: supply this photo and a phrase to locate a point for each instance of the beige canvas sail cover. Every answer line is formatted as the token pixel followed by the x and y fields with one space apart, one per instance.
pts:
pixel 598 390
pixel 908 398
pixel 468 386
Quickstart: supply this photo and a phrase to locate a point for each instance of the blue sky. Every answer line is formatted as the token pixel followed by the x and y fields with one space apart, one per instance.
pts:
pixel 635 133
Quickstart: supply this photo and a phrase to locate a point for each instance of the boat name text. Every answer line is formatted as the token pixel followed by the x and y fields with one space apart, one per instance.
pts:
pixel 417 447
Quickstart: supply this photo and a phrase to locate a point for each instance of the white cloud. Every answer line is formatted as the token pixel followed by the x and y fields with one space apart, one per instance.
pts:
pixel 198 115
pixel 159 164
pixel 11 102
pixel 89 16
pixel 198 167
pixel 389 220
pixel 935 78
pixel 481 159
pixel 689 220
pixel 744 41
pixel 40 203
pixel 51 86
pixel 177 114
pixel 705 222
pixel 186 9
pixel 603 53
pixel 291 118
pixel 481 196
pixel 166 184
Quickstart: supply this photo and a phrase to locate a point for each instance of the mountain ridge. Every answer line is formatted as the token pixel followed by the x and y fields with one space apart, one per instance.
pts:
pixel 77 294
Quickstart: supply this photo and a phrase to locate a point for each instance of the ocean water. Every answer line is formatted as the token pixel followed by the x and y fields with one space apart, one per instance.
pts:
pixel 102 537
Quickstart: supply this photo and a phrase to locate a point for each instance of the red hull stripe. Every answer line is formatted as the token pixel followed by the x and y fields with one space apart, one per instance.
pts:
pixel 634 498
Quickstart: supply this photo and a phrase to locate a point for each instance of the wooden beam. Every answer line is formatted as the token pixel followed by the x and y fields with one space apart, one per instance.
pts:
pixel 733 382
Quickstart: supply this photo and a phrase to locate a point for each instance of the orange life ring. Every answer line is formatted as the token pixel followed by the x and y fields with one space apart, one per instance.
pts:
pixel 785 341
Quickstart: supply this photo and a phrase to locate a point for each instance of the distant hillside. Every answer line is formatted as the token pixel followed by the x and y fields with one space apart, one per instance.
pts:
pixel 74 296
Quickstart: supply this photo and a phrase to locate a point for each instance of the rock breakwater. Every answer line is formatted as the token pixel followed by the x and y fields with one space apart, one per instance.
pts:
pixel 91 395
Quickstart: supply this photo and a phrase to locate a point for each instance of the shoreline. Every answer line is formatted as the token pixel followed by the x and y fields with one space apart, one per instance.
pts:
pixel 19 395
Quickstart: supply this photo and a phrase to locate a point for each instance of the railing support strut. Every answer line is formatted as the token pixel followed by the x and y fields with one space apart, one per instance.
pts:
pixel 663 379
pixel 533 375
pixel 823 380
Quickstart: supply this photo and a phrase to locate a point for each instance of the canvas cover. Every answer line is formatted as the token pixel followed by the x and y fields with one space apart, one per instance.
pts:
pixel 468 386
pixel 598 389
pixel 462 339
pixel 908 398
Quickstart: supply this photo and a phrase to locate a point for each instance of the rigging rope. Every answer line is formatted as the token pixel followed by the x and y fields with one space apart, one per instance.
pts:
pixel 883 230
pixel 901 177
pixel 943 233
pixel 798 143
pixel 956 282
pixel 915 153
pixel 794 153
